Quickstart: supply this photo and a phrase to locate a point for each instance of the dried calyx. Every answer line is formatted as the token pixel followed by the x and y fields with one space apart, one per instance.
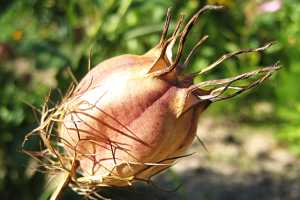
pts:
pixel 131 116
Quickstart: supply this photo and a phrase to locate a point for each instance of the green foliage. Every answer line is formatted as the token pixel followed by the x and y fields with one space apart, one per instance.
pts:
pixel 40 40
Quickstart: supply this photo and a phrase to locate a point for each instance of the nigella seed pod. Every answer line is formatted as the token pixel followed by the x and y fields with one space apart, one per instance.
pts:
pixel 132 116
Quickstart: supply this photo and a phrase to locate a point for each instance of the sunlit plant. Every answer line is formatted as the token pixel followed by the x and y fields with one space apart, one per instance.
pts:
pixel 133 116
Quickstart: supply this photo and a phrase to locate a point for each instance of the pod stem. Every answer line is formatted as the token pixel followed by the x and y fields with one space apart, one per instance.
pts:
pixel 64 182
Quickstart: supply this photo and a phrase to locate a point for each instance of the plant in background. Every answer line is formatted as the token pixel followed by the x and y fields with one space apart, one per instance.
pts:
pixel 133 116
pixel 270 6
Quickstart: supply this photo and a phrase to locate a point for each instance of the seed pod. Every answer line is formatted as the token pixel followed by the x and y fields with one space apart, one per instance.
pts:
pixel 132 116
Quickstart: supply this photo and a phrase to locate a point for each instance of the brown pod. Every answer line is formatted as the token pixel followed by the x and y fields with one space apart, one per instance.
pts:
pixel 132 116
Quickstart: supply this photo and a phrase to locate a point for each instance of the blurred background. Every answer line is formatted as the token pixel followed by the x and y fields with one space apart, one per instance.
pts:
pixel 253 140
